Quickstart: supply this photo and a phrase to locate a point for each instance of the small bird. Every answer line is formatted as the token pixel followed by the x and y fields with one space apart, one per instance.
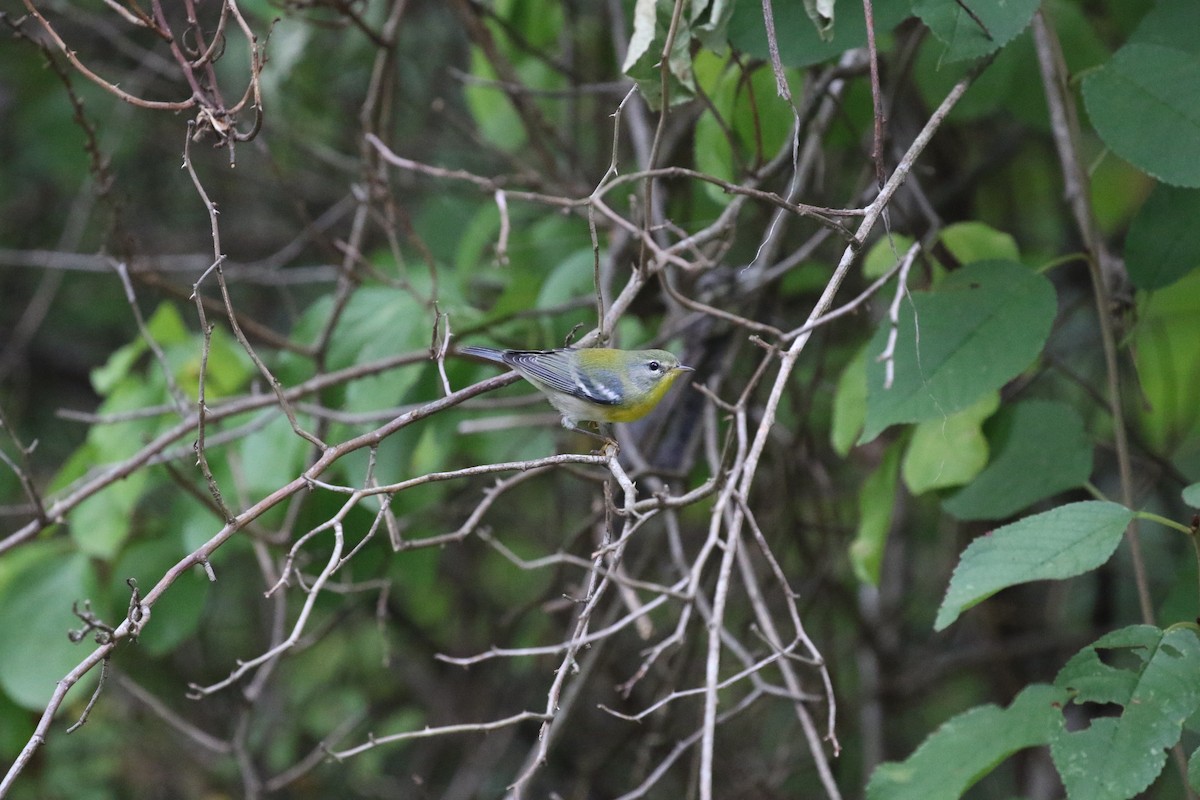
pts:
pixel 595 384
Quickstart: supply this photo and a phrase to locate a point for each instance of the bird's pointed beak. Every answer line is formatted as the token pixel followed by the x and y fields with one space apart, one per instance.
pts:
pixel 682 368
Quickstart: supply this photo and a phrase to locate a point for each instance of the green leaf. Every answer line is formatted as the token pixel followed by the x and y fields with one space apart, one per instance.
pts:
pixel 965 37
pixel 821 14
pixel 643 60
pixel 270 456
pixel 166 326
pixel 711 143
pixel 1152 674
pixel 1144 104
pixel 752 119
pixel 534 249
pixel 376 323
pixel 569 284
pixel 477 238
pixel 101 523
pixel 710 20
pixel 876 501
pixel 800 43
pixel 965 749
pixel 119 365
pixel 1012 84
pixel 979 328
pixel 572 279
pixel 1194 770
pixel 37 603
pixel 978 241
pixel 884 254
pixel 376 313
pixel 1039 449
pixel 493 112
pixel 1191 495
pixel 16 726
pixel 645 21
pixel 1163 244
pixel 1060 543
pixel 951 451
pixel 1171 23
pixel 229 368
pixel 1167 354
pixel 178 612
pixel 849 404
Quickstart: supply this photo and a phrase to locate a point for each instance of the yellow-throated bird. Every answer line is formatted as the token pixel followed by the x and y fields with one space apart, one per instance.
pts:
pixel 595 384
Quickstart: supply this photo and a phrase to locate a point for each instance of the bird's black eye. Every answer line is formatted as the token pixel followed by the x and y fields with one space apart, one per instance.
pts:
pixel 654 366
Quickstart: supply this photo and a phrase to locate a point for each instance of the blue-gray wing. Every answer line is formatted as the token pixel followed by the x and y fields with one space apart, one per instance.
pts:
pixel 599 386
pixel 556 369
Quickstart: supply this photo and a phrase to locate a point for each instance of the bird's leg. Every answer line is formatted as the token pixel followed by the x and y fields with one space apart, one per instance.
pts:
pixel 602 435
pixel 610 440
